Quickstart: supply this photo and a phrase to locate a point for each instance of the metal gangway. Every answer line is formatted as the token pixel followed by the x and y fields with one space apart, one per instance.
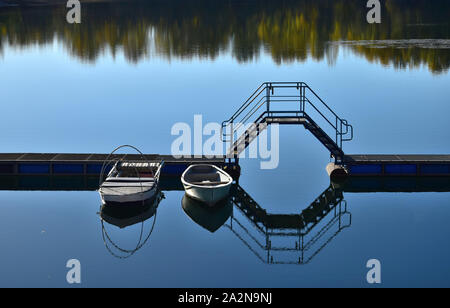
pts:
pixel 286 103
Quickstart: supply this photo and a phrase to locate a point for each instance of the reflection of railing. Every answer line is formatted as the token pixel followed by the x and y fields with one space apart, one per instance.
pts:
pixel 293 100
pixel 328 211
pixel 352 184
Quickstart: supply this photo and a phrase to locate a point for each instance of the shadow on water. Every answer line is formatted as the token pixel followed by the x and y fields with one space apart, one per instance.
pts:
pixel 412 33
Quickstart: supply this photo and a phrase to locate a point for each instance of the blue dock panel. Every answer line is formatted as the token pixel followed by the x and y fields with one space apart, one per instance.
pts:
pixel 34 168
pixel 68 168
pixel 369 169
pixel 403 169
pixel 398 165
pixel 435 169
pixel 97 168
pixel 174 169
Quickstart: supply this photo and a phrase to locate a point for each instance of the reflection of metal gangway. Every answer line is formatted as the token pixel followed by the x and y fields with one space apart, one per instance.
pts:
pixel 326 212
pixel 294 103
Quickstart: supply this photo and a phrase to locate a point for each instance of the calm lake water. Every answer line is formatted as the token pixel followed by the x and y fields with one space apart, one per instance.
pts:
pixel 130 71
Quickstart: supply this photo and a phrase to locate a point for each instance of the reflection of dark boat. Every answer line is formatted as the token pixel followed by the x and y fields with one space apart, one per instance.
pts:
pixel 130 215
pixel 210 218
pixel 123 217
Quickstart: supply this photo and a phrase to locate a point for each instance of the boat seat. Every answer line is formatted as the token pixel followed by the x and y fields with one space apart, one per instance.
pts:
pixel 209 183
pixel 202 177
pixel 128 184
pixel 130 179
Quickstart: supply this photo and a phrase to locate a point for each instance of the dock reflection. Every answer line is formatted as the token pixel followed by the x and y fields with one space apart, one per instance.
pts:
pixel 294 238
pixel 298 238
pixel 170 183
pixel 289 238
pixel 397 184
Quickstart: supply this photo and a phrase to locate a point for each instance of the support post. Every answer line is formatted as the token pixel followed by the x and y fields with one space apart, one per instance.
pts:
pixel 302 98
pixel 231 140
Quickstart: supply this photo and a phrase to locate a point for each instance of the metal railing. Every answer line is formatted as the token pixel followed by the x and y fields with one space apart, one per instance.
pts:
pixel 300 100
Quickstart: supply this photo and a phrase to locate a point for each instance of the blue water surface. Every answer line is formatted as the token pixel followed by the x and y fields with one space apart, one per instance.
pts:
pixel 54 102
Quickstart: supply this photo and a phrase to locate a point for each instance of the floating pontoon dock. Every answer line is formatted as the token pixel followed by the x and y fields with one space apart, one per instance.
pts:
pixel 91 164
pixel 295 103
pixel 280 103
pixel 391 165
pixel 397 165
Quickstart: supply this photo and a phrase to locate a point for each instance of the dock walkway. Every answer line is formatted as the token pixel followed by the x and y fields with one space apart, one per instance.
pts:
pixel 91 164
pixel 397 165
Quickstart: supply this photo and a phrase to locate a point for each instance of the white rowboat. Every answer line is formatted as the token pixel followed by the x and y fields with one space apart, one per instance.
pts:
pixel 129 183
pixel 206 183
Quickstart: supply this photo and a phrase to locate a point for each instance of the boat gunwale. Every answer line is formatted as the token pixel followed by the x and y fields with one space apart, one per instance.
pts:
pixel 186 183
pixel 147 184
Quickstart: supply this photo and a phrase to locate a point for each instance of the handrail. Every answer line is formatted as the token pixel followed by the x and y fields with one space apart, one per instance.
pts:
pixel 247 101
pixel 317 96
pixel 264 95
pixel 262 87
pixel 323 116
pixel 249 115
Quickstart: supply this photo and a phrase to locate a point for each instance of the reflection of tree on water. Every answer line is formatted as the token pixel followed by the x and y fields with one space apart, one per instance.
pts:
pixel 126 216
pixel 298 237
pixel 287 30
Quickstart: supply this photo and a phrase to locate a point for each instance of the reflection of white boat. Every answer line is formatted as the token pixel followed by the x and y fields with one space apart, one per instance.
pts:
pixel 210 218
pixel 130 182
pixel 206 183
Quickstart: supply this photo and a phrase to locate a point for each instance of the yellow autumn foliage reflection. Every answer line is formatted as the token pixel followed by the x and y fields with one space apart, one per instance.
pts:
pixel 287 30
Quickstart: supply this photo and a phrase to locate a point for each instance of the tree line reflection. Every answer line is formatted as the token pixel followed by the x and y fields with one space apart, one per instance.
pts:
pixel 286 30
